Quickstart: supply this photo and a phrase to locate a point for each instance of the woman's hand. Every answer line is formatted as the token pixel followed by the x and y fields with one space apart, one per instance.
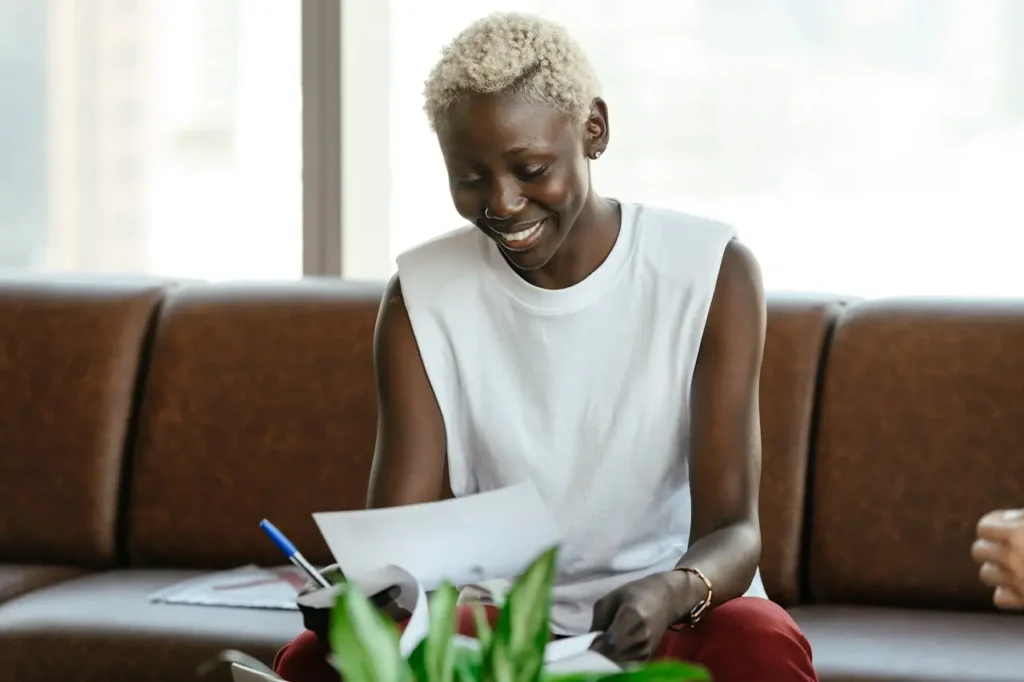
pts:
pixel 318 619
pixel 633 619
pixel 1000 551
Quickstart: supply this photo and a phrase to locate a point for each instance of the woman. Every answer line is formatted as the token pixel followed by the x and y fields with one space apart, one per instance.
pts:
pixel 999 549
pixel 606 351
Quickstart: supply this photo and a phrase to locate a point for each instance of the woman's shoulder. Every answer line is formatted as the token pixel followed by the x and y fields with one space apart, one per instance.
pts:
pixel 449 244
pixel 682 224
pixel 440 262
pixel 679 243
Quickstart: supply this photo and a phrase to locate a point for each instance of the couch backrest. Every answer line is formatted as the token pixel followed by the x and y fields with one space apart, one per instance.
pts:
pixel 70 352
pixel 259 402
pixel 921 432
pixel 256 400
pixel 797 333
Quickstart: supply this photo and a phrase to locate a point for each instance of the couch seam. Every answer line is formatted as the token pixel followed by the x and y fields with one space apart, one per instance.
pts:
pixel 807 515
pixel 132 432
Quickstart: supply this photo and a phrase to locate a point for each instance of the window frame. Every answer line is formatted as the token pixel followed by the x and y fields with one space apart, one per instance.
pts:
pixel 321 138
pixel 345 138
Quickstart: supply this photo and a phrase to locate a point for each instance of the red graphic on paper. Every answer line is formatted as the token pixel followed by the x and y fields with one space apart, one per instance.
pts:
pixel 286 575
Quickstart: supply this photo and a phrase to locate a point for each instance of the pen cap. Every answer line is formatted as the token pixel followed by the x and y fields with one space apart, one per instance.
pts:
pixel 283 543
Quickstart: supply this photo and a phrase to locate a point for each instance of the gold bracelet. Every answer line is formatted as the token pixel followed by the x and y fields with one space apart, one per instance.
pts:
pixel 698 611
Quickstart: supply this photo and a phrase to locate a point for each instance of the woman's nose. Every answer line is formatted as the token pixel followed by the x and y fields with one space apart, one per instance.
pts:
pixel 504 203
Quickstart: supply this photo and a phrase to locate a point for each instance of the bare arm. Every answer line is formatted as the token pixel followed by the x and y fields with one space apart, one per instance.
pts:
pixel 409 458
pixel 725 458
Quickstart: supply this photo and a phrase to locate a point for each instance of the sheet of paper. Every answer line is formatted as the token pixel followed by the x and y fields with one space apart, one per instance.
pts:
pixel 485 537
pixel 412 597
pixel 242 673
pixel 465 540
pixel 245 587
pixel 570 655
pixel 586 662
pixel 561 649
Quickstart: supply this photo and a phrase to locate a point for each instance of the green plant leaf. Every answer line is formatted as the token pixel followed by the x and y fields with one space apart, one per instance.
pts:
pixel 418 661
pixel 484 634
pixel 467 664
pixel 364 643
pixel 516 653
pixel 439 654
pixel 661 671
pixel 576 677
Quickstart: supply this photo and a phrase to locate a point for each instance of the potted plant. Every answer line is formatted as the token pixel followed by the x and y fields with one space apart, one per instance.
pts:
pixel 364 641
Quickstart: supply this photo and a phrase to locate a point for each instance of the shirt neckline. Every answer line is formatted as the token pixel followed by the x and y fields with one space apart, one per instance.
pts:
pixel 579 295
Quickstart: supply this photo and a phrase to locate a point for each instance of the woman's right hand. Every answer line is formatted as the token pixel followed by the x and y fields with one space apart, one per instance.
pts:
pixel 318 619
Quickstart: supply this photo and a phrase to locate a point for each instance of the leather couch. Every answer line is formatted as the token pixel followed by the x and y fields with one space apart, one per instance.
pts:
pixel 147 425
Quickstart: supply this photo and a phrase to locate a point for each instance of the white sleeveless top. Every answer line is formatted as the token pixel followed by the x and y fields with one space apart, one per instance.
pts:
pixel 584 392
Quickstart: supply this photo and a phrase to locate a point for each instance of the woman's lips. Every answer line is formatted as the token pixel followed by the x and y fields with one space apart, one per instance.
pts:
pixel 522 239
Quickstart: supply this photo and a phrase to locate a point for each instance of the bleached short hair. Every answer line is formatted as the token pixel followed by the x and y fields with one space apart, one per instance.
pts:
pixel 513 53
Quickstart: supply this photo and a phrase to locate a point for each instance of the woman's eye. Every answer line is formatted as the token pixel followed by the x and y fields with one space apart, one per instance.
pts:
pixel 533 172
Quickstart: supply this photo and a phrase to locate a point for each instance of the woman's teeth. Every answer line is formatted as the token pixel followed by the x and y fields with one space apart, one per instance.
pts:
pixel 522 235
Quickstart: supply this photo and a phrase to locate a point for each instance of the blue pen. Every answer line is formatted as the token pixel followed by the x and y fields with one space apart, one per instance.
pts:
pixel 286 546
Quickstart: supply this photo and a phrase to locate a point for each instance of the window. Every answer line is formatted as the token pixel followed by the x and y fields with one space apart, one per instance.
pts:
pixel 151 136
pixel 865 147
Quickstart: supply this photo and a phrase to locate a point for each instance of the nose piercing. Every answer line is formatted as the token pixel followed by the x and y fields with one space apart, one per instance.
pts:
pixel 488 214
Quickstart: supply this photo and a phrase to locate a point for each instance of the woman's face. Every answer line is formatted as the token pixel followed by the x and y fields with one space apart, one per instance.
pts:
pixel 519 171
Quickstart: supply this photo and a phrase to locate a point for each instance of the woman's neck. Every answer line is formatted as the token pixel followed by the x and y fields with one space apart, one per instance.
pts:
pixel 585 247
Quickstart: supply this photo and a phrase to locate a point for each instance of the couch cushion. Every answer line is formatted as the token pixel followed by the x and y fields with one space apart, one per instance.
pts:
pixel 70 350
pixel 798 328
pixel 102 627
pixel 259 402
pixel 16 579
pixel 862 644
pixel 921 432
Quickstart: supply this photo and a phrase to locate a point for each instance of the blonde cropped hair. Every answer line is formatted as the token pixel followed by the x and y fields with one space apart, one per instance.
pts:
pixel 513 53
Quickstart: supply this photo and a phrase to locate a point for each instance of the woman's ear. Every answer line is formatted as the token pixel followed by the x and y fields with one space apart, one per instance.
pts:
pixel 596 129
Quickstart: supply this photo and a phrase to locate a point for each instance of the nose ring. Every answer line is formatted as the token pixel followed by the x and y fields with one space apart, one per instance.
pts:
pixel 488 214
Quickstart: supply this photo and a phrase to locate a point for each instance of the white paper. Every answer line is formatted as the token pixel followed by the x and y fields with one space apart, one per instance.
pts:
pixel 492 535
pixel 585 662
pixel 242 673
pixel 412 597
pixel 561 649
pixel 573 655
pixel 570 655
pixel 245 587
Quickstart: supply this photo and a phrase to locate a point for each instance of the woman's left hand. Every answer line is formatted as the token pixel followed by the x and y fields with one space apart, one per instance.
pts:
pixel 999 549
pixel 633 619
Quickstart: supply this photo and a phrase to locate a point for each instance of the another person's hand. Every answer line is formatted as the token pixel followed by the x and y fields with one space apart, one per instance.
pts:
pixel 633 619
pixel 318 620
pixel 999 548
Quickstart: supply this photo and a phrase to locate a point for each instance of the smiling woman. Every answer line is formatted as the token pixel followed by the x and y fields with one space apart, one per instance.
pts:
pixel 515 106
pixel 519 171
pixel 606 351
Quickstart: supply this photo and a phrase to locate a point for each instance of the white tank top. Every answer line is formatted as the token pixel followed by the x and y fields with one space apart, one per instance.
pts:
pixel 584 392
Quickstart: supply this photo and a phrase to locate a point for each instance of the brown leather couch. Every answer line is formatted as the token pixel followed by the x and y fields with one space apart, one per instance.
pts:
pixel 146 426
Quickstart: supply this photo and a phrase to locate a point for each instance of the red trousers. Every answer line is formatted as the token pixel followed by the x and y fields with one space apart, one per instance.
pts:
pixel 742 640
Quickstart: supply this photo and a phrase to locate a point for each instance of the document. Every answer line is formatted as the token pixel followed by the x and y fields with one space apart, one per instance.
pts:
pixel 465 541
pixel 492 535
pixel 244 587
pixel 243 673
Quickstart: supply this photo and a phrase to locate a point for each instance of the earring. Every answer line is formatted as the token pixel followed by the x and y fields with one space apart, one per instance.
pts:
pixel 597 155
